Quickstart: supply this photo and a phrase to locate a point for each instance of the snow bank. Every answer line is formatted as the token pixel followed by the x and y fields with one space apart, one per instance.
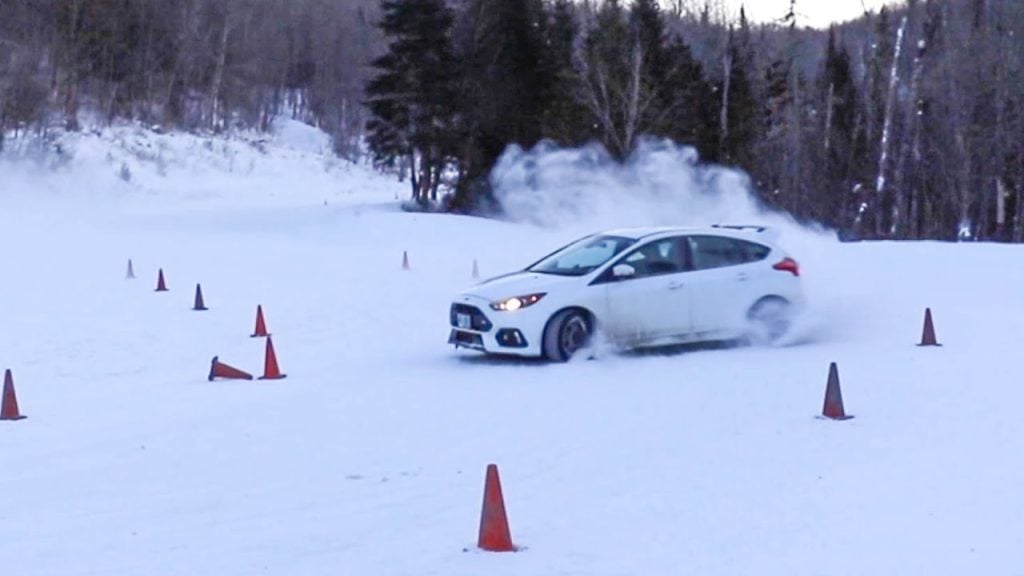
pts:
pixel 294 162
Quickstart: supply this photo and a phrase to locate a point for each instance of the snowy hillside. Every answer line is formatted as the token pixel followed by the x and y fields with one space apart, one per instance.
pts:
pixel 369 457
pixel 292 164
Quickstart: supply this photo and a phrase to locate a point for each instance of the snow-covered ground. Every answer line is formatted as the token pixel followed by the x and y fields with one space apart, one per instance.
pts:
pixel 369 457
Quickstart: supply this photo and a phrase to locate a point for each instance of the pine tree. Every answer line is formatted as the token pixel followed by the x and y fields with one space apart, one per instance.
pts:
pixel 782 151
pixel 738 119
pixel 412 98
pixel 503 89
pixel 648 30
pixel 564 120
pixel 777 97
pixel 842 144
pixel 689 101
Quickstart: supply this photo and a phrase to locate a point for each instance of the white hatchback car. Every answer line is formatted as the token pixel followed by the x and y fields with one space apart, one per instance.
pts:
pixel 639 287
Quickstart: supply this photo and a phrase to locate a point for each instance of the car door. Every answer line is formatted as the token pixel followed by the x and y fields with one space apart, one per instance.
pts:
pixel 723 281
pixel 653 303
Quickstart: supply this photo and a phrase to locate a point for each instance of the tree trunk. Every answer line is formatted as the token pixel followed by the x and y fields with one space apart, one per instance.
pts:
pixel 794 180
pixel 1001 194
pixel 215 121
pixel 633 112
pixel 70 98
pixel 112 103
pixel 414 178
pixel 1018 221
pixel 829 104
pixel 598 98
pixel 883 158
pixel 906 191
pixel 964 225
pixel 723 115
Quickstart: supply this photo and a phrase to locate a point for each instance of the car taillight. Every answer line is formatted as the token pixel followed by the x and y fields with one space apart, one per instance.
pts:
pixel 788 265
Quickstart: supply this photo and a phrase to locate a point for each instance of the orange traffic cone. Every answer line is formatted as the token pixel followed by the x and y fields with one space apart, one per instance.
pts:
pixel 476 270
pixel 9 404
pixel 199 299
pixel 261 326
pixel 494 533
pixel 270 370
pixel 131 271
pixel 219 369
pixel 160 285
pixel 928 334
pixel 833 408
pixel 405 260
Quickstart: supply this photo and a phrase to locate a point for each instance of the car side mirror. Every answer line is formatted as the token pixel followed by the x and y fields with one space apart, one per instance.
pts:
pixel 623 271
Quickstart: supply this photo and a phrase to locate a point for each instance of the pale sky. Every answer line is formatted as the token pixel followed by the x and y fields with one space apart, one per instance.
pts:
pixel 816 13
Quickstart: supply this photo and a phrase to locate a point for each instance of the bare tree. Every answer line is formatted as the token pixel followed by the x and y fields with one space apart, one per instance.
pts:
pixel 618 103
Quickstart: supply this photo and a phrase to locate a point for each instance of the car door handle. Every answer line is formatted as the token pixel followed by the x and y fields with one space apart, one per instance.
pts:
pixel 742 277
pixel 675 285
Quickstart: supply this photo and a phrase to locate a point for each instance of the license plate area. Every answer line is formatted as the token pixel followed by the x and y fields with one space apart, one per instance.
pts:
pixel 464 321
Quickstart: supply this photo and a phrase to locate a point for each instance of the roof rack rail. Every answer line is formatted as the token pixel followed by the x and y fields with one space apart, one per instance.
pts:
pixel 753 227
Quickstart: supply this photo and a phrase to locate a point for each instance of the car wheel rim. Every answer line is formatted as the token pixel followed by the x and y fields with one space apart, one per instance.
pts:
pixel 772 320
pixel 574 335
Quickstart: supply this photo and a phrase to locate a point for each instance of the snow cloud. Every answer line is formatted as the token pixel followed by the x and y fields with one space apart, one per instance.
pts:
pixel 662 183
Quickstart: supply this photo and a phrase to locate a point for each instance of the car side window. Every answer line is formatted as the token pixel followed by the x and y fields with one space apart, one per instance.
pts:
pixel 718 251
pixel 656 258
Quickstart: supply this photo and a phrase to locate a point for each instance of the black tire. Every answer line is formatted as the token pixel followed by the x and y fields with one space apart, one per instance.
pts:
pixel 769 320
pixel 567 332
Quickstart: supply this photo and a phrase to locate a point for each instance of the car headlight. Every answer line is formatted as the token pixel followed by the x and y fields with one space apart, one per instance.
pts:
pixel 516 302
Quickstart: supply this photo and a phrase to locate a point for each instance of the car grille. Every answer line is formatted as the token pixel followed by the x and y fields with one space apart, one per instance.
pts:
pixel 477 320
pixel 466 340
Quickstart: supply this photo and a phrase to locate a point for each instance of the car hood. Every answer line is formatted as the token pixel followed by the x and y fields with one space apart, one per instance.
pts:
pixel 518 284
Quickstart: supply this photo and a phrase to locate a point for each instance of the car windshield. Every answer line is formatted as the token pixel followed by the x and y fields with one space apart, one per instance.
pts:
pixel 583 256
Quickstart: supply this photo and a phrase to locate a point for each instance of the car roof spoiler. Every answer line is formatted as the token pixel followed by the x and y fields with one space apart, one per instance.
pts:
pixel 770 234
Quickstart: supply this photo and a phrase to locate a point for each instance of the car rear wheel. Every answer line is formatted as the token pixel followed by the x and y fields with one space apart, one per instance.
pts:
pixel 770 319
pixel 567 332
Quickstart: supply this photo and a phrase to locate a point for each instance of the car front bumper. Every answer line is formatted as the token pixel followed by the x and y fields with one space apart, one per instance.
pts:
pixel 476 327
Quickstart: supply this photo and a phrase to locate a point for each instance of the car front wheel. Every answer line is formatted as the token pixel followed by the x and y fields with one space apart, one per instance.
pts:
pixel 567 332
